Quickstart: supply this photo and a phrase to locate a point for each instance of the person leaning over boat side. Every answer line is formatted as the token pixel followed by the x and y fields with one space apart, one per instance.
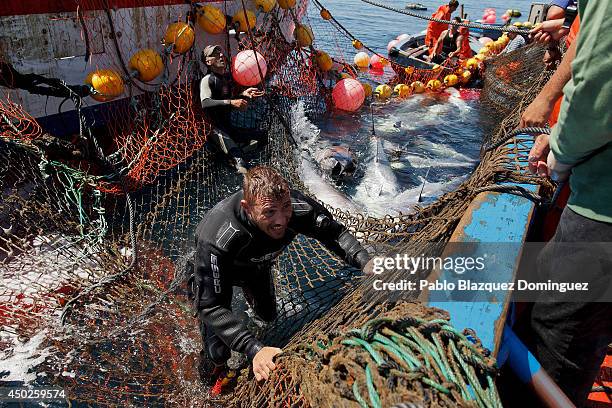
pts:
pixel 571 338
pixel 216 97
pixel 236 244
pixel 434 29
pixel 447 41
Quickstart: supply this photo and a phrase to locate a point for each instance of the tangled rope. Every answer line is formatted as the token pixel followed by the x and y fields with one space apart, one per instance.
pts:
pixel 429 351
pixel 518 131
pixel 509 29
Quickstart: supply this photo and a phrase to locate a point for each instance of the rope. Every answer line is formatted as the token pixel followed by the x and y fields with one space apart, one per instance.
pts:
pixel 445 360
pixel 514 190
pixel 112 278
pixel 352 37
pixel 509 29
pixel 518 131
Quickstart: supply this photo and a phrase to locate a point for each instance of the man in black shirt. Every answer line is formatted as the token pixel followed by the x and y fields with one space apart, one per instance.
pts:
pixel 236 244
pixel 216 97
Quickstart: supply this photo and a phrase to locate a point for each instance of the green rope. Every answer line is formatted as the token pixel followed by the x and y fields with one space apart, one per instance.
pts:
pixel 358 342
pixel 374 398
pixel 438 364
pixel 358 396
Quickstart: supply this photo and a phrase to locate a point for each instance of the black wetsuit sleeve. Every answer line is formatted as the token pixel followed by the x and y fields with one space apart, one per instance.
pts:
pixel 320 224
pixel 206 94
pixel 213 268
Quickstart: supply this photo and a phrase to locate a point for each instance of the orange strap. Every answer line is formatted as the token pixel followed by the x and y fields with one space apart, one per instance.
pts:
pixel 571 37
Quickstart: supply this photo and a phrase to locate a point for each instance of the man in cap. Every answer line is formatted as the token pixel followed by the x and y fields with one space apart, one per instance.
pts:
pixel 216 97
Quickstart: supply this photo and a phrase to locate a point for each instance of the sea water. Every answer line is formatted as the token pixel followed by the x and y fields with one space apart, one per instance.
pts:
pixel 430 142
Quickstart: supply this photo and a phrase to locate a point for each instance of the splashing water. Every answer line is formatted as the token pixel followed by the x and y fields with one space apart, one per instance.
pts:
pixel 425 139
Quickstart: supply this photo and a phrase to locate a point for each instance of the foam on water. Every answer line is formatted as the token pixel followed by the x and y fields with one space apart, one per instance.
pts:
pixel 431 139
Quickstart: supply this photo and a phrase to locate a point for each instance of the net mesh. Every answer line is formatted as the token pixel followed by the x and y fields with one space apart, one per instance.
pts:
pixel 107 241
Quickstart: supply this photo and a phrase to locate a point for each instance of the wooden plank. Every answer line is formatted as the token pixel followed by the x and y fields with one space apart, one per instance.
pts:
pixel 491 218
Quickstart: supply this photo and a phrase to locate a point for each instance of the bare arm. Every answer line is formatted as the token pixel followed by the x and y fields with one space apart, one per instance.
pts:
pixel 538 112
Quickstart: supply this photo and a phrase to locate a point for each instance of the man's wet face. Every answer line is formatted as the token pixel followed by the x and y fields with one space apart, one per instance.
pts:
pixel 216 60
pixel 271 215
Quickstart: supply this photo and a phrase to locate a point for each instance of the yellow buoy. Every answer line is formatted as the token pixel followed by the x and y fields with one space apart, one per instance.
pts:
pixel 324 61
pixel 244 22
pixel 303 35
pixel 451 80
pixel 434 85
pixel 106 82
pixel 211 19
pixel 286 4
pixel 471 64
pixel 367 88
pixel 480 57
pixel 265 5
pixel 402 90
pixel 357 44
pixel 325 14
pixel 527 24
pixel 148 63
pixel 362 59
pixel 518 24
pixel 180 35
pixel 409 70
pixel 417 87
pixel 466 76
pixel 383 91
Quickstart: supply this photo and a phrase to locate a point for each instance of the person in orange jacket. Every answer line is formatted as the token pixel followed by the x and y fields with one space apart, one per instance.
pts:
pixel 434 29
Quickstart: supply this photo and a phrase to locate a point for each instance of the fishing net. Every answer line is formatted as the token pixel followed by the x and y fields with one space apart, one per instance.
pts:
pixel 97 229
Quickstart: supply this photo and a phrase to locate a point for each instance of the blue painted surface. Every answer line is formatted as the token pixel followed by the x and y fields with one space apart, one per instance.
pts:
pixel 520 359
pixel 498 223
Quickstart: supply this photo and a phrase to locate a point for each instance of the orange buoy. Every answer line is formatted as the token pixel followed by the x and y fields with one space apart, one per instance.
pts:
pixel 286 4
pixel 148 63
pixel 210 19
pixel 417 87
pixel 324 61
pixel 303 35
pixel 265 5
pixel 181 36
pixel 106 82
pixel 434 85
pixel 451 80
pixel 402 90
pixel 383 91
pixel 244 22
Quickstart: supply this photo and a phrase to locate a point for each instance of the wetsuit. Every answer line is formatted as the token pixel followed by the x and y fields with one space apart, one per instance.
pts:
pixel 216 92
pixel 232 251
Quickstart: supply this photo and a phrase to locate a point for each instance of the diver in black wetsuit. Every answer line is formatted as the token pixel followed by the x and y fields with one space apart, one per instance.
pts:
pixel 216 97
pixel 236 243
